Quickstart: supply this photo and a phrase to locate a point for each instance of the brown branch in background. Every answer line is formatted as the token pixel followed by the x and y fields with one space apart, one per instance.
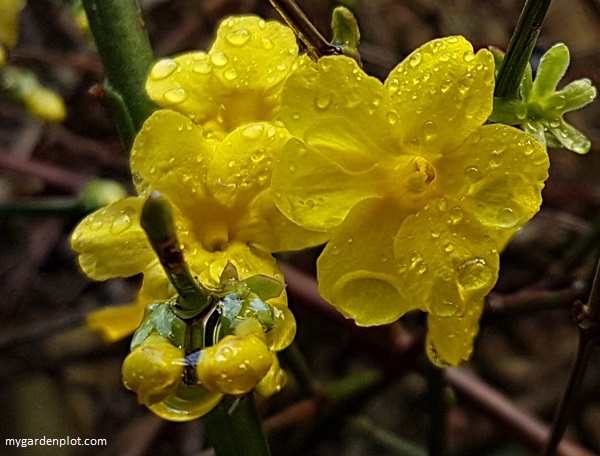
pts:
pixel 523 427
pixel 58 178
pixel 518 424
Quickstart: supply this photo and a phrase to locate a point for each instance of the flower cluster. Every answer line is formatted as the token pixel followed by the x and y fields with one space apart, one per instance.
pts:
pixel 417 194
pixel 259 150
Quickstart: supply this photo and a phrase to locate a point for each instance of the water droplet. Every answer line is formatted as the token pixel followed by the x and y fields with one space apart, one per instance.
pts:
pixel 96 225
pixel 393 86
pixel 554 123
pixel 323 100
pixel 430 130
pixel 472 174
pixel 474 274
pixel 507 218
pixel 456 215
pixel 219 59
pixel 415 59
pixel 282 67
pixel 392 117
pixel 163 69
pixel 257 156
pixel 238 37
pixel 465 82
pixel 230 74
pixel 445 57
pixel 383 257
pixel 449 247
pixel 468 56
pixel 446 84
pixel 292 167
pixel 350 240
pixel 296 116
pixel 435 234
pixel 266 43
pixel 121 223
pixel 176 95
pixel 253 131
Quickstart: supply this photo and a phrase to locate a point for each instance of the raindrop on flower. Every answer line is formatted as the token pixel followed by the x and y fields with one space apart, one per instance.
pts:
pixel 163 69
pixel 468 56
pixel 449 247
pixel 474 274
pixel 238 37
pixel 392 117
pixel 266 43
pixel 176 95
pixel 456 215
pixel 95 226
pixel 323 100
pixel 219 59
pixel 230 74
pixel 465 82
pixel 415 59
pixel 507 218
pixel 202 68
pixel 430 130
pixel 253 131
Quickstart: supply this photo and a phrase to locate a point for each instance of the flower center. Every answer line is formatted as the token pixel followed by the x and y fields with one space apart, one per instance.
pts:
pixel 410 181
pixel 215 235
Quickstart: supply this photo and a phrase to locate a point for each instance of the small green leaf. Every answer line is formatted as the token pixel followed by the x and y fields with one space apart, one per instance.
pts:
pixel 346 33
pixel 551 69
pixel 570 138
pixel 160 319
pixel 575 95
pixel 264 286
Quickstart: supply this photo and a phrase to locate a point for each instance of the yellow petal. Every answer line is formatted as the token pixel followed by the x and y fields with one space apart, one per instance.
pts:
pixel 441 93
pixel 243 162
pixel 186 84
pixel 111 243
pixel 171 155
pixel 450 340
pixel 316 193
pixel 117 322
pixel 251 54
pixel 498 175
pixel 447 260
pixel 265 227
pixel 336 90
pixel 357 272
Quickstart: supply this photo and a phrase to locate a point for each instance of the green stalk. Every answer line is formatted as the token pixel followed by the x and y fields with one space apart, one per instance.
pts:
pixel 123 45
pixel 67 207
pixel 437 405
pixel 520 48
pixel 234 428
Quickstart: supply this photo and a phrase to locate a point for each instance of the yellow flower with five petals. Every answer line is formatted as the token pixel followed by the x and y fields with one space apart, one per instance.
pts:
pixel 417 194
pixel 210 151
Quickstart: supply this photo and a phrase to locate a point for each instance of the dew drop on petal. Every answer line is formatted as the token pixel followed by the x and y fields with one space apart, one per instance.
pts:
pixel 415 59
pixel 253 131
pixel 507 218
pixel 266 43
pixel 176 95
pixel 468 56
pixel 474 274
pixel 202 68
pixel 392 117
pixel 323 100
pixel 163 69
pixel 96 225
pixel 456 215
pixel 238 37
pixel 219 59
pixel 430 130
pixel 230 74
pixel 121 223
pixel 465 82
pixel 449 247
pixel 472 174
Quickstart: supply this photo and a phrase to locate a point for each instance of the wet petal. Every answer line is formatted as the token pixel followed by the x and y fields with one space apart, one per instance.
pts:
pixel 450 340
pixel 186 84
pixel 171 155
pixel 447 260
pixel 242 165
pixel 111 243
pixel 442 92
pixel 117 322
pixel 497 175
pixel 316 193
pixel 265 227
pixel 337 89
pixel 357 271
pixel 252 54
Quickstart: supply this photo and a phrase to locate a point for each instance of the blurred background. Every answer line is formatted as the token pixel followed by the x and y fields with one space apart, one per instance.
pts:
pixel 59 379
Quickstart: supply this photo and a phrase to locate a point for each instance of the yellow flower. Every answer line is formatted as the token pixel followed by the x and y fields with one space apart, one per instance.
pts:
pixel 418 195
pixel 211 154
pixel 237 82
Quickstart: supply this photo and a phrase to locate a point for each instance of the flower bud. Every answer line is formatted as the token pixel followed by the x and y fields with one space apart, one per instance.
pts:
pixel 153 370
pixel 46 105
pixel 235 365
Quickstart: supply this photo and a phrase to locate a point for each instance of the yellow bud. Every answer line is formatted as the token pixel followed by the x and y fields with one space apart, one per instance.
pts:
pixel 274 381
pixel 154 369
pixel 234 365
pixel 46 104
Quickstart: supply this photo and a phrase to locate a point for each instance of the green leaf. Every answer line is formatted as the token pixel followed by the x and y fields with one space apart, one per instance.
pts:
pixel 569 137
pixel 160 319
pixel 551 69
pixel 575 95
pixel 264 286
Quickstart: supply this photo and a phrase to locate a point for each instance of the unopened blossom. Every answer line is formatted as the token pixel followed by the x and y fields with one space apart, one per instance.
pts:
pixel 417 194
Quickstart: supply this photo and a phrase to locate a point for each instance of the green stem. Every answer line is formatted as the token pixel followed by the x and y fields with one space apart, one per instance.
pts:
pixel 234 428
pixel 159 225
pixel 316 45
pixel 386 439
pixel 66 207
pixel 520 48
pixel 123 45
